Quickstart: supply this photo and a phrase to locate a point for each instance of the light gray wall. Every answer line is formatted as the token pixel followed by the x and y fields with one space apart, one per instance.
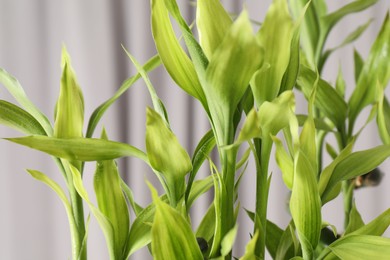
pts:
pixel 33 223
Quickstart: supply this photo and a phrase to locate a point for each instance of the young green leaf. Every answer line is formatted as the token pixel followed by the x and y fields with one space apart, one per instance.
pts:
pixel 228 241
pixel 199 187
pixel 111 200
pixel 376 227
pixel 175 60
pixel 305 203
pixel 103 221
pixel 274 235
pixel 19 119
pixel 80 149
pixel 330 20
pixel 16 90
pixel 162 145
pixel 213 22
pixel 97 114
pixel 285 163
pixel 172 237
pixel 359 163
pixel 326 174
pixel 340 83
pixel 207 225
pixel 286 248
pixel 69 112
pixel 310 31
pixel 355 220
pixel 201 153
pixel 358 64
pixel 275 36
pixel 327 98
pixel 383 117
pixel 270 119
pixel 350 37
pixel 77 243
pixel 361 247
pixel 376 70
pixel 250 249
pixel 228 73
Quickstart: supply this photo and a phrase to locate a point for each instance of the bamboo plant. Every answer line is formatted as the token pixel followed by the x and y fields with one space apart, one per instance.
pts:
pixel 246 81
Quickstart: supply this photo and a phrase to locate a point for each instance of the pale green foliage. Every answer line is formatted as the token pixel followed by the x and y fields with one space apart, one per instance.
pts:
pixel 237 75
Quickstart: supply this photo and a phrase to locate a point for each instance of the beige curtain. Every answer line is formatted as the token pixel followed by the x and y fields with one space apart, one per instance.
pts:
pixel 33 222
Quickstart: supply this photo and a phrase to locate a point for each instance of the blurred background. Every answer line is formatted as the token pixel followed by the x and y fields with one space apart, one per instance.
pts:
pixel 33 222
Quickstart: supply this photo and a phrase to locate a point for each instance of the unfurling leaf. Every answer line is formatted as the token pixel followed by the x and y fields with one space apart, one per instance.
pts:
pixel 376 70
pixel 213 23
pixel 228 73
pixel 19 119
pixel 166 155
pixel 175 60
pixel 275 36
pixel 111 200
pixel 80 149
pixel 172 237
pixel 69 114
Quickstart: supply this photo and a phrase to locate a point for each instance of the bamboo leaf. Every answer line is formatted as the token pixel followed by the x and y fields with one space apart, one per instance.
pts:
pixel 250 249
pixel 201 153
pixel 340 83
pixel 130 198
pixel 80 149
pixel 359 163
pixel 305 202
pixel 274 235
pixel 19 119
pixel 175 60
pixel 275 36
pixel 111 200
pixel 355 220
pixel 355 34
pixel 228 73
pixel 270 119
pixel 285 248
pixel 358 64
pixel 310 31
pixel 103 221
pixel 98 113
pixel 285 163
pixel 69 112
pixel 228 241
pixel 162 145
pixel 157 103
pixel 78 246
pixel 16 90
pixel 383 117
pixel 141 229
pixel 327 99
pixel 213 22
pixel 207 225
pixel 361 247
pixel 330 20
pixel 199 187
pixel 376 70
pixel 376 227
pixel 326 174
pixel 172 237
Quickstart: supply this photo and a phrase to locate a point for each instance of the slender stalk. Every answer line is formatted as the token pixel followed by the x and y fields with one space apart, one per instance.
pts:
pixel 347 188
pixel 263 152
pixel 78 248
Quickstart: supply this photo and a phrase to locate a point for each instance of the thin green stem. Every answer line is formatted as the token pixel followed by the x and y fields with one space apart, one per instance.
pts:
pixel 262 155
pixel 79 248
pixel 347 188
